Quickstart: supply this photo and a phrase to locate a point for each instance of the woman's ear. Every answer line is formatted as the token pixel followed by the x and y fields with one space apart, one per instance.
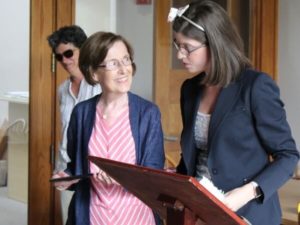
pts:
pixel 95 76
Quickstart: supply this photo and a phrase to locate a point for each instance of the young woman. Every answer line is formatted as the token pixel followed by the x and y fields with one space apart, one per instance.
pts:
pixel 234 125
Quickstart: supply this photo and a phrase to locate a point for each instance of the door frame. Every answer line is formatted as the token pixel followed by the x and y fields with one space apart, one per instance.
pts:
pixel 46 16
pixel 264 30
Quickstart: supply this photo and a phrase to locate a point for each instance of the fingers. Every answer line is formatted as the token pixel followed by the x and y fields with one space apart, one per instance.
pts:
pixel 238 197
pixel 200 222
pixel 103 177
pixel 60 188
pixel 106 178
pixel 176 206
pixel 170 169
pixel 60 174
pixel 63 185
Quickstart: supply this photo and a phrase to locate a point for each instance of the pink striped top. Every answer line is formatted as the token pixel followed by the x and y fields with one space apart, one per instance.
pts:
pixel 112 204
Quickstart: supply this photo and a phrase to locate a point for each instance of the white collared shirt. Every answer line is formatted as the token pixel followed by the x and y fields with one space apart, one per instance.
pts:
pixel 67 101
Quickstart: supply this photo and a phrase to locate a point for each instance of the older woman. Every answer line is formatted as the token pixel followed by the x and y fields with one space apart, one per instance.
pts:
pixel 117 125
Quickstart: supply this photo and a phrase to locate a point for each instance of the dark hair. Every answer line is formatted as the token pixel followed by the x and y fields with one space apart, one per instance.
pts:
pixel 94 51
pixel 68 34
pixel 221 37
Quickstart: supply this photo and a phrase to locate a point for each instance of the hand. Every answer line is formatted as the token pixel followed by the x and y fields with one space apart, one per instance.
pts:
pixel 238 197
pixel 178 205
pixel 103 177
pixel 63 185
pixel 200 222
pixel 170 169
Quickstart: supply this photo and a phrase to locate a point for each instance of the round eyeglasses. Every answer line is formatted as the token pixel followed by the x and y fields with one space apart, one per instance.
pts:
pixel 115 64
pixel 186 50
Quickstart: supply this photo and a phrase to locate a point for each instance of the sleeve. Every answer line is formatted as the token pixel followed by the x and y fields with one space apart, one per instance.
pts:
pixel 181 168
pixel 182 99
pixel 62 157
pixel 275 135
pixel 153 144
pixel 71 144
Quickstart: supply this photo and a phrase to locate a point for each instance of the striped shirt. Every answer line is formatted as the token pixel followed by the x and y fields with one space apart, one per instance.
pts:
pixel 112 204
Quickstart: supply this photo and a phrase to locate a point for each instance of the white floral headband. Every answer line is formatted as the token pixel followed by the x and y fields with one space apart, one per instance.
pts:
pixel 179 12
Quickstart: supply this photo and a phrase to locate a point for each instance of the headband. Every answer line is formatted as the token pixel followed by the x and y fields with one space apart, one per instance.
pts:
pixel 179 12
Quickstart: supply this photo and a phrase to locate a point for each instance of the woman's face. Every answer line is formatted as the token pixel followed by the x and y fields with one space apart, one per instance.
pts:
pixel 68 60
pixel 115 72
pixel 194 55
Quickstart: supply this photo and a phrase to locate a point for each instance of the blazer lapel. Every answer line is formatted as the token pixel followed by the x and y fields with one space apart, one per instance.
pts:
pixel 134 112
pixel 187 136
pixel 226 100
pixel 192 102
pixel 88 125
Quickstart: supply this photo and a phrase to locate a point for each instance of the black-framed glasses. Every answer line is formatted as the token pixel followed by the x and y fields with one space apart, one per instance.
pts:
pixel 67 54
pixel 186 50
pixel 115 64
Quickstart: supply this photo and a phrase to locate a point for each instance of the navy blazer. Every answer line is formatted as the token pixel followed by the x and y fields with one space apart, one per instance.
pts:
pixel 145 122
pixel 248 126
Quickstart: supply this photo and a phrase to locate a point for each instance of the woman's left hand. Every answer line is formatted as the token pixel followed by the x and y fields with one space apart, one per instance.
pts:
pixel 63 185
pixel 238 197
pixel 101 176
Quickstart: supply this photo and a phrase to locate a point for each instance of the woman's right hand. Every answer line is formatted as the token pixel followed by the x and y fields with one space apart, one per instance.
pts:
pixel 178 205
pixel 63 185
pixel 170 169
pixel 238 197
pixel 101 176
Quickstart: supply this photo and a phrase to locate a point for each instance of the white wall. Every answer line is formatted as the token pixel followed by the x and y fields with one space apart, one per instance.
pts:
pixel 14 45
pixel 95 15
pixel 135 23
pixel 289 62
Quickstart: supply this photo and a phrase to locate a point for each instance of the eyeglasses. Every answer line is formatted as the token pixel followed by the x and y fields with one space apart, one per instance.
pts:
pixel 186 50
pixel 67 54
pixel 115 64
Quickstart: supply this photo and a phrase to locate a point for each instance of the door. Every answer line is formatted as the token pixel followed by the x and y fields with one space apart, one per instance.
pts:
pixel 260 37
pixel 46 16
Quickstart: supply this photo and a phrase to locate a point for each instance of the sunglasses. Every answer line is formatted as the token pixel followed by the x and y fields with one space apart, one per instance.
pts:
pixel 67 54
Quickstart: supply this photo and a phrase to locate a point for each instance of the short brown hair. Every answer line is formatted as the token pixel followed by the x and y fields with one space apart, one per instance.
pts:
pixel 220 36
pixel 94 51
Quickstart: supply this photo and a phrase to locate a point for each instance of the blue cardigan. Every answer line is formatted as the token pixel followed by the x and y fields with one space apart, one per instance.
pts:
pixel 145 121
pixel 247 126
